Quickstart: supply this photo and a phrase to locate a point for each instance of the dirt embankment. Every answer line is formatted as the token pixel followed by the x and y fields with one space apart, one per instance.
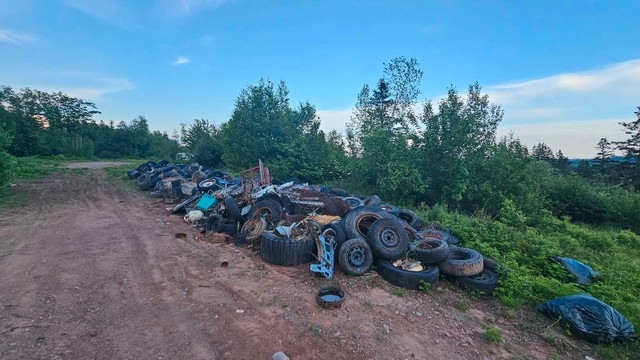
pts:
pixel 93 269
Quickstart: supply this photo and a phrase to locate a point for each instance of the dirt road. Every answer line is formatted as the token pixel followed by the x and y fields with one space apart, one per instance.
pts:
pixel 92 269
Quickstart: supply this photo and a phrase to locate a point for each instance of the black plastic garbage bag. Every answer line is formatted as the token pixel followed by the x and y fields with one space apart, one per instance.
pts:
pixel 585 273
pixel 589 318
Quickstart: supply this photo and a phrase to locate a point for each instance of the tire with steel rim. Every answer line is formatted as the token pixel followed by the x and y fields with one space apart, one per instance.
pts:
pixel 388 239
pixel 355 257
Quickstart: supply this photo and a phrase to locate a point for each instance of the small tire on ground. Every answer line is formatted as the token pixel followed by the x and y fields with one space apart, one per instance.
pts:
pixel 411 218
pixel 215 223
pixel 485 282
pixel 285 251
pixel 462 262
pixel 355 257
pixel 408 279
pixel 388 239
pixel 430 251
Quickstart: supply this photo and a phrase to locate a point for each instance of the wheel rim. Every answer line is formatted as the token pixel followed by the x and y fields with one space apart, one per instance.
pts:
pixel 352 202
pixel 389 238
pixel 364 222
pixel 265 213
pixel 357 256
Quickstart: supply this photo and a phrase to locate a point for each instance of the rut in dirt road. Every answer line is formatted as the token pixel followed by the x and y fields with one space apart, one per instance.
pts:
pixel 82 279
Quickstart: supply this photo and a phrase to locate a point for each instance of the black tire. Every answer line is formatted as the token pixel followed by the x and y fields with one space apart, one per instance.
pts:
pixel 294 180
pixel 430 251
pixel 286 252
pixel 339 192
pixel 391 209
pixel 490 264
pixel 230 229
pixel 433 234
pixel 411 232
pixel 411 218
pixel 372 200
pixel 143 179
pixel 408 279
pixel 355 257
pixel 184 204
pixel 336 231
pixel 270 209
pixel 485 282
pixel 353 202
pixel 163 163
pixel 149 183
pixel 215 223
pixel 462 262
pixel 233 213
pixel 132 174
pixel 358 220
pixel 388 239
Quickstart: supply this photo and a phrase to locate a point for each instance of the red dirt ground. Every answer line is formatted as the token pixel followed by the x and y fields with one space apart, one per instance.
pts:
pixel 92 268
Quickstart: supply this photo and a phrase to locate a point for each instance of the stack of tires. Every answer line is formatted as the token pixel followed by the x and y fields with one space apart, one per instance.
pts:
pixel 465 267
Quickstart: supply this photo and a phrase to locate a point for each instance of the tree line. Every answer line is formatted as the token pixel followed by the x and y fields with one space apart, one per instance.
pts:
pixel 437 153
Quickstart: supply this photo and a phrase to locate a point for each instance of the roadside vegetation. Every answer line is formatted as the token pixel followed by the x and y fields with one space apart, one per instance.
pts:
pixel 518 205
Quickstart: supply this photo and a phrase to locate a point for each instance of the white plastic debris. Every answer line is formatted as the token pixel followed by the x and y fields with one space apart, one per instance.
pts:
pixel 194 216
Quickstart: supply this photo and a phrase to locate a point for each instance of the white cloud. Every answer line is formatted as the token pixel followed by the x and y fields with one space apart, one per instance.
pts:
pixel 186 7
pixel 569 111
pixel 116 12
pixel 576 139
pixel 621 79
pixel 10 36
pixel 92 89
pixel 181 60
pixel 334 119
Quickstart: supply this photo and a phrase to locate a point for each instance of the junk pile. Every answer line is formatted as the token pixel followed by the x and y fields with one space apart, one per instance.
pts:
pixel 294 223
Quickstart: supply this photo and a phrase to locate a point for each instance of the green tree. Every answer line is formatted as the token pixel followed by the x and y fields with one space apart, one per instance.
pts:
pixel 456 140
pixel 542 152
pixel 390 106
pixel 261 123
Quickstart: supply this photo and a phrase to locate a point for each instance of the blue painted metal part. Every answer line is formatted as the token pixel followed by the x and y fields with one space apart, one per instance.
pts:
pixel 325 256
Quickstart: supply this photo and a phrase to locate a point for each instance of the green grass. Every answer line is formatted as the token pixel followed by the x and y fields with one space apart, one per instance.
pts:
pixel 531 277
pixel 24 169
pixel 491 334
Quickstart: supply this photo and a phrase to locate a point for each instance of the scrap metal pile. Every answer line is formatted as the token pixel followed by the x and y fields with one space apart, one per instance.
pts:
pixel 294 223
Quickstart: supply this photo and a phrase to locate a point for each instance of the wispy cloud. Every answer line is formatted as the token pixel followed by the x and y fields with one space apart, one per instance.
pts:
pixel 619 79
pixel 90 88
pixel 186 7
pixel 181 60
pixel 115 12
pixel 16 38
pixel 568 111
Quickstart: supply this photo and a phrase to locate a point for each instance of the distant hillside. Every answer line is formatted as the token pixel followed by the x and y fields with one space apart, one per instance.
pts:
pixel 575 162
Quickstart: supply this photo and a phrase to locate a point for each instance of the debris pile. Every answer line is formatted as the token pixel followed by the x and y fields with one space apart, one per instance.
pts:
pixel 294 223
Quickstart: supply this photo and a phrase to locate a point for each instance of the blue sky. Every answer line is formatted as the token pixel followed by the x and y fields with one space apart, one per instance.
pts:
pixel 565 72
